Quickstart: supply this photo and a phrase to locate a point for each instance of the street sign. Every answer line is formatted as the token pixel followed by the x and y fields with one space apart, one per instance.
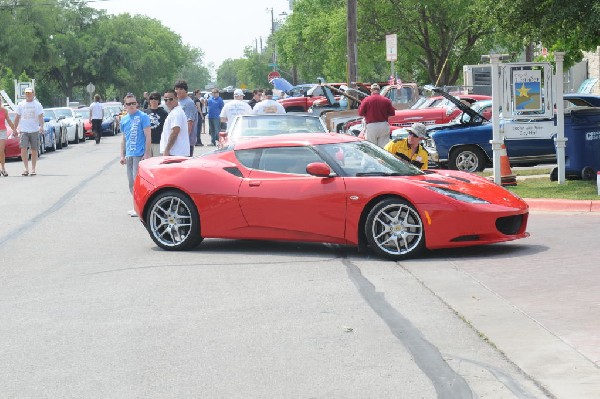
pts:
pixel 273 75
pixel 90 88
pixel 391 47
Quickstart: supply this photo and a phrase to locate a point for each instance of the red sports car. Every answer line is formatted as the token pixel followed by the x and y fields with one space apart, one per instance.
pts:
pixel 321 187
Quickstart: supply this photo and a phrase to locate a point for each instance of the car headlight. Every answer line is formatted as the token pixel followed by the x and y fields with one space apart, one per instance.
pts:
pixel 458 195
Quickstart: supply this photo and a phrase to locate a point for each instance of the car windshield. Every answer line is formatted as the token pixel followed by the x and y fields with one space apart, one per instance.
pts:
pixel 111 110
pixel 362 158
pixel 82 112
pixel 427 102
pixel 268 125
pixel 63 112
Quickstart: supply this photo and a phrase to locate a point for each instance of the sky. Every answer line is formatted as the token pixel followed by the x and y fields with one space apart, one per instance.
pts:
pixel 220 28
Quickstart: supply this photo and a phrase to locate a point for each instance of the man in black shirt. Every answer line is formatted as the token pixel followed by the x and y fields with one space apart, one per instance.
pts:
pixel 256 97
pixel 157 116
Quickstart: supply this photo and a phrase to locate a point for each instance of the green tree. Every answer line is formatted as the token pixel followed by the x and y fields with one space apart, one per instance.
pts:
pixel 194 72
pixel 569 26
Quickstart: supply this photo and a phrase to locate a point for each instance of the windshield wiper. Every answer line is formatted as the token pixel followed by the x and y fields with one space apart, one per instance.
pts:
pixel 379 174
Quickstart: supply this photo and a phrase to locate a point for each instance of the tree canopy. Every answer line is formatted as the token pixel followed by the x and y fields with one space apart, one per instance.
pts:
pixel 64 44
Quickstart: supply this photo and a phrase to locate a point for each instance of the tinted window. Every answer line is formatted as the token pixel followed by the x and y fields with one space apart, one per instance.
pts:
pixel 287 159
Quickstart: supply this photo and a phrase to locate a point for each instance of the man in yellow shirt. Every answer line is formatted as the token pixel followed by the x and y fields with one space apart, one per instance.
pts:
pixel 410 149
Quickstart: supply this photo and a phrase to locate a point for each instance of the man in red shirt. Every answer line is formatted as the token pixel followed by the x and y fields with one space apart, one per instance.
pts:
pixel 376 109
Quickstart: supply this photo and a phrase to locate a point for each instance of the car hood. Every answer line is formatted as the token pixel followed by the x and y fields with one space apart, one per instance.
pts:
pixel 467 183
pixel 459 104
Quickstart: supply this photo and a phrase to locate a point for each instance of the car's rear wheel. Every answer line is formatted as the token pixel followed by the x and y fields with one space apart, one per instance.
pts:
pixel 467 159
pixel 59 139
pixel 394 229
pixel 54 146
pixel 76 140
pixel 173 222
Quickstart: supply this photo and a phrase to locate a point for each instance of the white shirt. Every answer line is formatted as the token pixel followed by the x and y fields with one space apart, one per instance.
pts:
pixel 29 112
pixel 181 146
pixel 235 108
pixel 96 110
pixel 268 107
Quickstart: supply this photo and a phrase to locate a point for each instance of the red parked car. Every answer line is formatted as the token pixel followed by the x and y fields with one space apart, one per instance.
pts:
pixel 321 187
pixel 84 114
pixel 436 111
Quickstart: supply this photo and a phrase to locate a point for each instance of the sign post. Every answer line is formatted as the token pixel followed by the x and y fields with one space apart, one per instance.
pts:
pixel 273 75
pixel 391 50
pixel 527 93
pixel 90 88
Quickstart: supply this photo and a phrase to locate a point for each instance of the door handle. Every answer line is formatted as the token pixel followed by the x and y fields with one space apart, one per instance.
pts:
pixel 254 183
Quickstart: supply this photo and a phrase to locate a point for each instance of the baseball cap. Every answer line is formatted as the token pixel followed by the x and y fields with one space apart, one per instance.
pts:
pixel 418 129
pixel 29 90
pixel 375 86
pixel 238 92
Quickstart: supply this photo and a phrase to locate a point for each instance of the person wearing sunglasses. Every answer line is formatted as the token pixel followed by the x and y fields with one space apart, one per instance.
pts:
pixel 188 106
pixel 410 149
pixel 135 146
pixel 157 115
pixel 175 140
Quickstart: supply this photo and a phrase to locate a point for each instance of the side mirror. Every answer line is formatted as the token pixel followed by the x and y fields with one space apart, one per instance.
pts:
pixel 319 169
pixel 46 119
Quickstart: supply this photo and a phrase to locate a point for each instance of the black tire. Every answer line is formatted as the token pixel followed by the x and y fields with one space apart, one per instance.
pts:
pixel 59 139
pixel 554 175
pixel 467 158
pixel 173 222
pixel 394 229
pixel 76 140
pixel 588 173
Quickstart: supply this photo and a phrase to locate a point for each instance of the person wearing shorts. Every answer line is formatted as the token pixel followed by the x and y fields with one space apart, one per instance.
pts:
pixel 29 123
pixel 4 119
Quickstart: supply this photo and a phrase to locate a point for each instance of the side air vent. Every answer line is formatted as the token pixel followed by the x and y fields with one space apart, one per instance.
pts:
pixel 234 171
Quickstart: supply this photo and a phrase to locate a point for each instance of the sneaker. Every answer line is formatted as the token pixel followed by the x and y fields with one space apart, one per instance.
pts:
pixel 132 213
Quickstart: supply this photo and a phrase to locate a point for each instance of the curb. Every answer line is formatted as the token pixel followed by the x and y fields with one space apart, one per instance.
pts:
pixel 543 204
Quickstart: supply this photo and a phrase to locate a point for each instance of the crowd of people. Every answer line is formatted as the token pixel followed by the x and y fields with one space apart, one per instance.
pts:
pixel 149 130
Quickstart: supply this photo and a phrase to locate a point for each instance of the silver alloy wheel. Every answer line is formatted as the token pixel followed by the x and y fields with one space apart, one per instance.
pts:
pixel 396 229
pixel 170 221
pixel 467 161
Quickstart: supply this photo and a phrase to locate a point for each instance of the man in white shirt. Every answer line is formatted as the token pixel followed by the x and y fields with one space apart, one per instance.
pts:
pixel 268 105
pixel 29 123
pixel 234 108
pixel 175 139
pixel 96 116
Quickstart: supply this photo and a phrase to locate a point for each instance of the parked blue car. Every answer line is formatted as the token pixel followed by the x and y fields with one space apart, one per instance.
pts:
pixel 466 146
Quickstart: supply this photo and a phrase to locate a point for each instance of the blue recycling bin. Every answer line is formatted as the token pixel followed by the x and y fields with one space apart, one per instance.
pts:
pixel 582 154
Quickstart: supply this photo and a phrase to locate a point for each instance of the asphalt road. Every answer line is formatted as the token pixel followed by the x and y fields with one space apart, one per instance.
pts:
pixel 91 308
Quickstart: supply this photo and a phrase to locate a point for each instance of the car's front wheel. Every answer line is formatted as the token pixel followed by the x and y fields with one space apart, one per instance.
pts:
pixel 394 229
pixel 467 159
pixel 173 222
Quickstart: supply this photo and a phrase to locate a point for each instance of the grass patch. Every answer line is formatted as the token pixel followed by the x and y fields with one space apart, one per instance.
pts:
pixel 521 172
pixel 544 188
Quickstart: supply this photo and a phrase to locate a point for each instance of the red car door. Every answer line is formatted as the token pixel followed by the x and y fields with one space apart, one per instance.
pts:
pixel 285 201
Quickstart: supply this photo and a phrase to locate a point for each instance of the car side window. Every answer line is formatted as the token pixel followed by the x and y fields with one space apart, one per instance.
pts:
pixel 248 158
pixel 287 159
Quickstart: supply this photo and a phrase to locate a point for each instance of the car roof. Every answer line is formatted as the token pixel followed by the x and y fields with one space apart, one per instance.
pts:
pixel 295 140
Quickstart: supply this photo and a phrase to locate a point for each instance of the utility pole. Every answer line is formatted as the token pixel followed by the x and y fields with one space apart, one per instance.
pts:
pixel 351 42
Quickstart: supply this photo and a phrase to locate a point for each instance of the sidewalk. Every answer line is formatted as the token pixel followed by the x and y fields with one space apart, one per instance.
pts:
pixel 550 204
